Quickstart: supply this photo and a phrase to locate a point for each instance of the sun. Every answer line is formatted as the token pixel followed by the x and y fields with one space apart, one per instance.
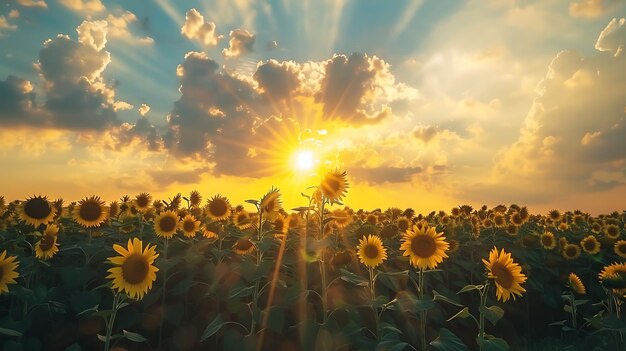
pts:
pixel 303 160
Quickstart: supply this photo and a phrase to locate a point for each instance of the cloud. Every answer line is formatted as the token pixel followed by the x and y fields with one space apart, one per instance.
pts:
pixel 85 6
pixel 613 37
pixel 240 43
pixel 143 110
pixel 17 99
pixel 279 80
pixel 380 175
pixel 93 33
pixel 118 28
pixel 195 28
pixel 33 3
pixel 14 14
pixel 4 24
pixel 575 126
pixel 591 8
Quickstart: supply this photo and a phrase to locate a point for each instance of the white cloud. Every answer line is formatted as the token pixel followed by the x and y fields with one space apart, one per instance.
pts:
pixel 613 37
pixel 143 110
pixel 86 6
pixel 93 33
pixel 118 28
pixel 240 43
pixel 14 13
pixel 196 28
pixel 33 3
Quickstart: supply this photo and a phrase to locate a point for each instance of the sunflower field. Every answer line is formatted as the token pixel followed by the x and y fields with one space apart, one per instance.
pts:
pixel 200 273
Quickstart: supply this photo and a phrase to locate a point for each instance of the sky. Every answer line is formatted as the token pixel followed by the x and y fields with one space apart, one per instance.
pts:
pixel 425 104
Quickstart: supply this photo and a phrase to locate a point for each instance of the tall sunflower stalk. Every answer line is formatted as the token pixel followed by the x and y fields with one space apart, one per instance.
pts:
pixel 372 253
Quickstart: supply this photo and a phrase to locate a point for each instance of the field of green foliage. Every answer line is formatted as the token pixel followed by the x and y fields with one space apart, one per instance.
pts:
pixel 197 273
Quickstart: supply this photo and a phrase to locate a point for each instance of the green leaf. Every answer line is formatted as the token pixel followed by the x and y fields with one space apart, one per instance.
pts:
pixel 464 313
pixel 392 345
pixel 470 287
pixel 390 327
pixel 424 305
pixel 438 296
pixel 113 337
pixel 102 313
pixel 493 344
pixel 241 291
pixel 301 208
pixel 10 332
pixel 212 328
pixel 567 308
pixel 353 278
pixel 580 302
pixel 254 202
pixel 133 336
pixel 89 310
pixel 447 341
pixel 493 313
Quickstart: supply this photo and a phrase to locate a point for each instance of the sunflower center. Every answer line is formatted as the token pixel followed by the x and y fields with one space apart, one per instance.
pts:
pixel 135 268
pixel 503 275
pixel 142 201
pixel 570 251
pixel 189 226
pixel 218 207
pixel 37 208
pixel 167 224
pixel 546 240
pixel 370 251
pixel 589 245
pixel 46 243
pixel 332 185
pixel 90 211
pixel 423 246
pixel 403 225
pixel 611 231
pixel 243 245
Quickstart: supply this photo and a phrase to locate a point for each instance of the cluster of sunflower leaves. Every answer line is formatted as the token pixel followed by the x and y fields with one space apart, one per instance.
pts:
pixel 188 274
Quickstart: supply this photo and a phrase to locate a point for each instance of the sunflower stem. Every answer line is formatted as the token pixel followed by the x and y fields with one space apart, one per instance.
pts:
pixel 373 297
pixel 422 313
pixel 164 309
pixel 481 324
pixel 323 267
pixel 109 323
pixel 573 305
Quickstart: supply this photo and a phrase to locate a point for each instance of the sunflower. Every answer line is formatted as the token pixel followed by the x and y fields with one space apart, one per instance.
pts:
pixel 243 246
pixel 242 220
pixel 563 226
pixel 114 209
pixel 571 251
pixel 403 223
pixel 554 215
pixel 341 258
pixel 142 202
pixel 341 218
pixel 36 210
pixel 218 208
pixel 90 212
pixel 454 246
pixel 281 226
pixel 613 277
pixel 189 225
pixel 548 241
pixel 425 247
pixel 590 245
pixel 165 224
pixel 499 220
pixel 596 228
pixel 271 203
pixel 620 248
pixel 195 199
pixel 507 274
pixel 372 219
pixel 612 231
pixel 134 273
pixel 294 220
pixel 371 251
pixel 47 246
pixel 8 265
pixel 512 229
pixel 576 284
pixel 209 234
pixel 517 219
pixel 334 185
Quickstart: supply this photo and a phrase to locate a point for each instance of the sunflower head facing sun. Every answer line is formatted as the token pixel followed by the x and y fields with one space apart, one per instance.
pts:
pixel 334 185
pixel 271 204
pixel 371 251
pixel 507 275
pixel 36 210
pixel 134 271
pixel 425 247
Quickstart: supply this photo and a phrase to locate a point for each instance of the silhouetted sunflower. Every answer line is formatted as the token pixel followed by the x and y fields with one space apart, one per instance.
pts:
pixel 243 246
pixel 195 199
pixel 506 273
pixel 242 220
pixel 271 204
pixel 134 272
pixel 142 202
pixel 218 208
pixel 334 185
